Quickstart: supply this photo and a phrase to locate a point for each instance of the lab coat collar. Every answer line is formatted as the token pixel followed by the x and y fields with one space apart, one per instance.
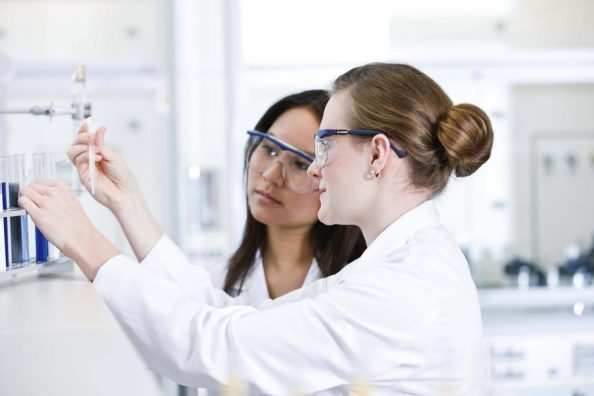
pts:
pixel 396 235
pixel 255 287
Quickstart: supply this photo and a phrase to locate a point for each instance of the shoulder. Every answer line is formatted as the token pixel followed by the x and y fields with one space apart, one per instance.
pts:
pixel 438 259
pixel 217 272
pixel 313 274
pixel 415 279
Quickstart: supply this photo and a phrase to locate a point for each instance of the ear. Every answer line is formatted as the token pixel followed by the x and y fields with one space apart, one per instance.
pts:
pixel 380 151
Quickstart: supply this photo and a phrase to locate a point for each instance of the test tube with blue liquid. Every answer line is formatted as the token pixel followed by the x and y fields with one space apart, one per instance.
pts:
pixel 43 168
pixel 4 251
pixel 19 239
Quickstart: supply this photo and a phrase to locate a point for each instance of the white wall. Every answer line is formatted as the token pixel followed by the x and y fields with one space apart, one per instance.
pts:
pixel 229 60
pixel 122 45
pixel 554 208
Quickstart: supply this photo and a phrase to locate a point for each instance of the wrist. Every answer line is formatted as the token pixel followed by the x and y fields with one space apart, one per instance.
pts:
pixel 140 226
pixel 90 250
pixel 126 204
pixel 121 195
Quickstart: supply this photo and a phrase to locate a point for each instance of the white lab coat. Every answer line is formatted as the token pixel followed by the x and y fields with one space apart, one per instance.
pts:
pixel 254 288
pixel 405 317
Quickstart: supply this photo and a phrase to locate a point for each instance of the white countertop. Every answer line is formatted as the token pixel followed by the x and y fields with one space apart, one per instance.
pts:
pixel 58 338
pixel 534 297
pixel 509 311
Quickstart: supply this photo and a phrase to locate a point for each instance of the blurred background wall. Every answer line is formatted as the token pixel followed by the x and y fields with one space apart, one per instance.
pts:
pixel 179 82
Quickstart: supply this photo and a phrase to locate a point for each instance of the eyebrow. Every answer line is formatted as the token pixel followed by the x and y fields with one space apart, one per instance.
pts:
pixel 310 153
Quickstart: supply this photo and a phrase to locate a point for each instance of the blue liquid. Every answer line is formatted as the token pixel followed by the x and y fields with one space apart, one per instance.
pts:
pixel 19 234
pixel 41 246
pixel 19 241
pixel 4 204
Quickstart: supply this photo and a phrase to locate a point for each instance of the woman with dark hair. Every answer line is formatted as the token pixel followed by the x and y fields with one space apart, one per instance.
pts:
pixel 404 318
pixel 284 246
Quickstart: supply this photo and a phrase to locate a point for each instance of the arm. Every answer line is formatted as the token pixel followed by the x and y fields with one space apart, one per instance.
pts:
pixel 200 340
pixel 140 226
pixel 60 217
pixel 190 331
pixel 309 340
pixel 116 189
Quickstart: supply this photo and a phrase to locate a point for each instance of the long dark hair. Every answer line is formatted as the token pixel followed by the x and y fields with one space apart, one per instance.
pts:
pixel 333 246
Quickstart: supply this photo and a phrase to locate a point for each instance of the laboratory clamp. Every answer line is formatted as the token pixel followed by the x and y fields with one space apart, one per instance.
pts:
pixel 24 250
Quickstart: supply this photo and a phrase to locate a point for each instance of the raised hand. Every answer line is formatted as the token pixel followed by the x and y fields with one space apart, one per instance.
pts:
pixel 114 182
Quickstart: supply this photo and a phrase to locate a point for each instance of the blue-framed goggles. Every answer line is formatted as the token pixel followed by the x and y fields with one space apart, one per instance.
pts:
pixel 265 151
pixel 322 146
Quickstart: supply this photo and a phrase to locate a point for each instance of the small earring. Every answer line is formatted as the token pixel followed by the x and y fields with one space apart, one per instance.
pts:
pixel 374 174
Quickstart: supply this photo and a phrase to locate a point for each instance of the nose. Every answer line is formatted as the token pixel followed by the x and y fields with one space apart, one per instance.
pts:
pixel 274 173
pixel 314 170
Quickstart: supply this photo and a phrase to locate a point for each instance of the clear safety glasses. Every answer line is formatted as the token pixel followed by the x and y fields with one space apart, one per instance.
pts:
pixel 323 145
pixel 266 151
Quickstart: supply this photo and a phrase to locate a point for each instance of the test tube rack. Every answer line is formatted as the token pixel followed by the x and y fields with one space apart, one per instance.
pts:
pixel 31 267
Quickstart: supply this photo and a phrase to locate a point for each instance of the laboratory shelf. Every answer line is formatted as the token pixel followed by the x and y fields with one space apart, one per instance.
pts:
pixel 538 298
pixel 34 268
pixel 31 267
pixel 12 213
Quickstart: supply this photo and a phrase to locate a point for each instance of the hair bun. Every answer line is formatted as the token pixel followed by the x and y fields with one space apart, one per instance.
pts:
pixel 467 137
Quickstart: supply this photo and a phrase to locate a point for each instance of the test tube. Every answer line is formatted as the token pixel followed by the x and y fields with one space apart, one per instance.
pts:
pixel 4 253
pixel 19 240
pixel 43 168
pixel 78 90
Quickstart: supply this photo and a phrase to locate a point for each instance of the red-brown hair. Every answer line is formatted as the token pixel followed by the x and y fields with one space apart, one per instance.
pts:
pixel 420 118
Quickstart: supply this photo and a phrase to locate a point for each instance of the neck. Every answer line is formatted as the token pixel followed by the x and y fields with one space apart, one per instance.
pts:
pixel 388 211
pixel 287 247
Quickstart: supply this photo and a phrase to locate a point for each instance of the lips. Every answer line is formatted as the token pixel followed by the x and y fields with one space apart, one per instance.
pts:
pixel 267 197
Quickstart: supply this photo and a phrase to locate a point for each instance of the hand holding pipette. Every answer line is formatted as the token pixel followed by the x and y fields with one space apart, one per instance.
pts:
pixel 116 189
pixel 114 183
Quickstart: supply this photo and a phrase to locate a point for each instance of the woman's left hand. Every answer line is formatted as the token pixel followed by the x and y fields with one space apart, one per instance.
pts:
pixel 60 217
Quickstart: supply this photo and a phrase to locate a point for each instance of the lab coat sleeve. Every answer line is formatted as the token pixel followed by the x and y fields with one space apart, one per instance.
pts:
pixel 168 260
pixel 218 273
pixel 300 345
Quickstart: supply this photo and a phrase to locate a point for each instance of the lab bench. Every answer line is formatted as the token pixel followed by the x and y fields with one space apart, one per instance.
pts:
pixel 58 338
pixel 538 341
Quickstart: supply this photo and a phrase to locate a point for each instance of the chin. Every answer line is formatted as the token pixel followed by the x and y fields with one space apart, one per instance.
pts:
pixel 325 217
pixel 262 215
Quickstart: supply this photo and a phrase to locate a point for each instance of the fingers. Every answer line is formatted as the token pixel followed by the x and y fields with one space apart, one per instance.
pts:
pixel 79 155
pixel 33 194
pixel 83 138
pixel 107 153
pixel 83 128
pixel 100 136
pixel 39 191
pixel 104 149
pixel 74 151
pixel 26 203
pixel 80 145
pixel 42 187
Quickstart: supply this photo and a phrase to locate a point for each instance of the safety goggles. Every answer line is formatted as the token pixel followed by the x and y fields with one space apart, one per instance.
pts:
pixel 323 145
pixel 266 151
